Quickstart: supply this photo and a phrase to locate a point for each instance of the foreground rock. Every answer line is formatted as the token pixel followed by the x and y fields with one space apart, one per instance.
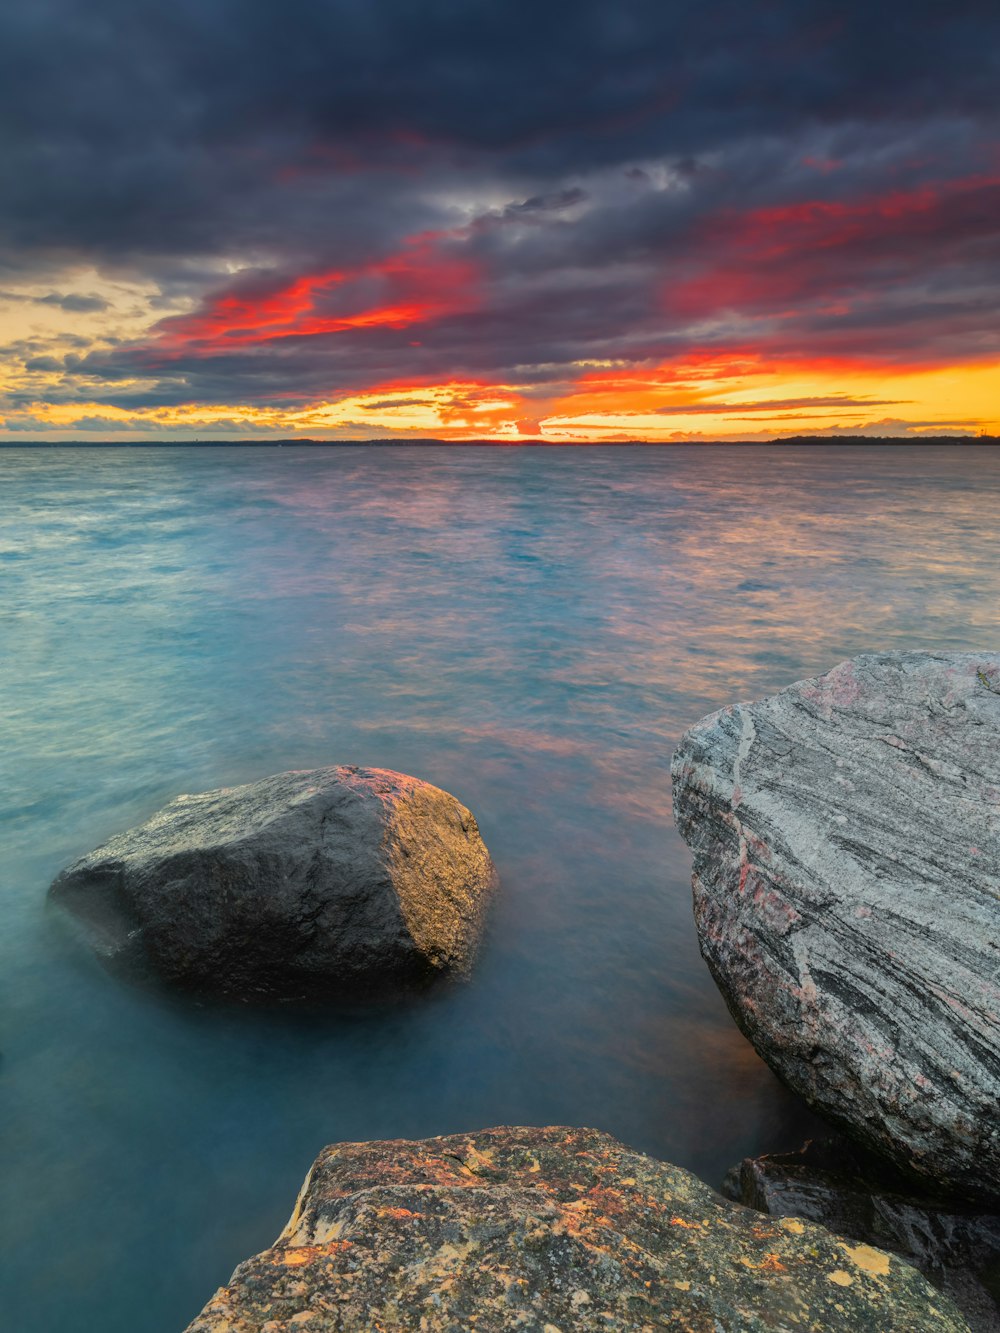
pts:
pixel 338 881
pixel 853 1194
pixel 846 839
pixel 552 1231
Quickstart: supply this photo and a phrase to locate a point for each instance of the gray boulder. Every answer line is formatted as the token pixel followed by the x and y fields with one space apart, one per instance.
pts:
pixel 309 885
pixel 846 840
pixel 552 1231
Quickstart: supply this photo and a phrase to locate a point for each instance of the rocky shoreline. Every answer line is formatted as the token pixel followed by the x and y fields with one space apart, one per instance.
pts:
pixel 845 835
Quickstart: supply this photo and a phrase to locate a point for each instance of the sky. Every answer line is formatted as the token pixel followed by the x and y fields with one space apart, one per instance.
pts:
pixel 665 220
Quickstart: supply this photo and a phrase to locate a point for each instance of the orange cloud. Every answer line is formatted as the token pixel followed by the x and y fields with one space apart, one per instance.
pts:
pixel 735 395
pixel 739 394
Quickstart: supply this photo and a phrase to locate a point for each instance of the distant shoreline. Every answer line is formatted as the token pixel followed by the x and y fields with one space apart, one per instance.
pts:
pixel 794 440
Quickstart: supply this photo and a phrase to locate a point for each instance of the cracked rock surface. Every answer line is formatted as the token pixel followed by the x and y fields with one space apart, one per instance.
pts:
pixel 552 1231
pixel 846 840
pixel 334 882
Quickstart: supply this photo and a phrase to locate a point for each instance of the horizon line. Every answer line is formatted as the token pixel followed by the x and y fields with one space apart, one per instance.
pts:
pixel 382 442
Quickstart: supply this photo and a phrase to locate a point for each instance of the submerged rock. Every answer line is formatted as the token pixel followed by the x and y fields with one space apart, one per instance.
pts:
pixel 552 1230
pixel 855 1195
pixel 846 840
pixel 306 885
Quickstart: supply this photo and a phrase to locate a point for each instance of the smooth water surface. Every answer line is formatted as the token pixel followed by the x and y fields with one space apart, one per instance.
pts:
pixel 531 629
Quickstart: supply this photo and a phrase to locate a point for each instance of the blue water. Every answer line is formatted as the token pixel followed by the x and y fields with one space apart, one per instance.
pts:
pixel 531 629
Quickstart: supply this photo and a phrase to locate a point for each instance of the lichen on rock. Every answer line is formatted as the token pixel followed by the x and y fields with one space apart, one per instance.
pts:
pixel 552 1231
pixel 851 1192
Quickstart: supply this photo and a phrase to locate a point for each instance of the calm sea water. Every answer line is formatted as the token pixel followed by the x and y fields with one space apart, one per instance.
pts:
pixel 531 629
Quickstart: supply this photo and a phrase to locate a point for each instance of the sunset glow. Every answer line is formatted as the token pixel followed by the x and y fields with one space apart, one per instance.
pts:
pixel 757 255
pixel 640 406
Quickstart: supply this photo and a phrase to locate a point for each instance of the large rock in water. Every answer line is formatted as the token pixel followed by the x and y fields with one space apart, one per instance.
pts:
pixel 846 840
pixel 552 1231
pixel 333 882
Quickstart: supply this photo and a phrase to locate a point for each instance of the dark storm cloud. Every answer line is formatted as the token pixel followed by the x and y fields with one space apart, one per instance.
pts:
pixel 145 123
pixel 73 303
pixel 44 363
pixel 622 181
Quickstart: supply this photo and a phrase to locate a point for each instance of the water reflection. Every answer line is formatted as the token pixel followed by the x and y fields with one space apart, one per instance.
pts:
pixel 530 629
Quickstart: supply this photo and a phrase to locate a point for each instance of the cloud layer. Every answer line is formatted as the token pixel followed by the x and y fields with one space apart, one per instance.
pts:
pixel 442 217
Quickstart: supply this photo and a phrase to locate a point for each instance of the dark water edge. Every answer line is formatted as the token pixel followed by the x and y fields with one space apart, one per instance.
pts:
pixel 530 629
pixel 793 442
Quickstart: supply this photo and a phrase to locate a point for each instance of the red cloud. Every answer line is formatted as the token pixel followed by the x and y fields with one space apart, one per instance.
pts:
pixel 775 261
pixel 421 283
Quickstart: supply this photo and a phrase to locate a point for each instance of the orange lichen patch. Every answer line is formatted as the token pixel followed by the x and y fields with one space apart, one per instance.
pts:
pixel 580 1219
pixel 610 1201
pixel 293 1258
pixel 444 1168
pixel 400 1213
pixel 770 1263
pixel 841 1278
pixel 297 1255
pixel 867 1258
pixel 573 1223
pixel 680 1222
pixel 476 1159
pixel 793 1225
